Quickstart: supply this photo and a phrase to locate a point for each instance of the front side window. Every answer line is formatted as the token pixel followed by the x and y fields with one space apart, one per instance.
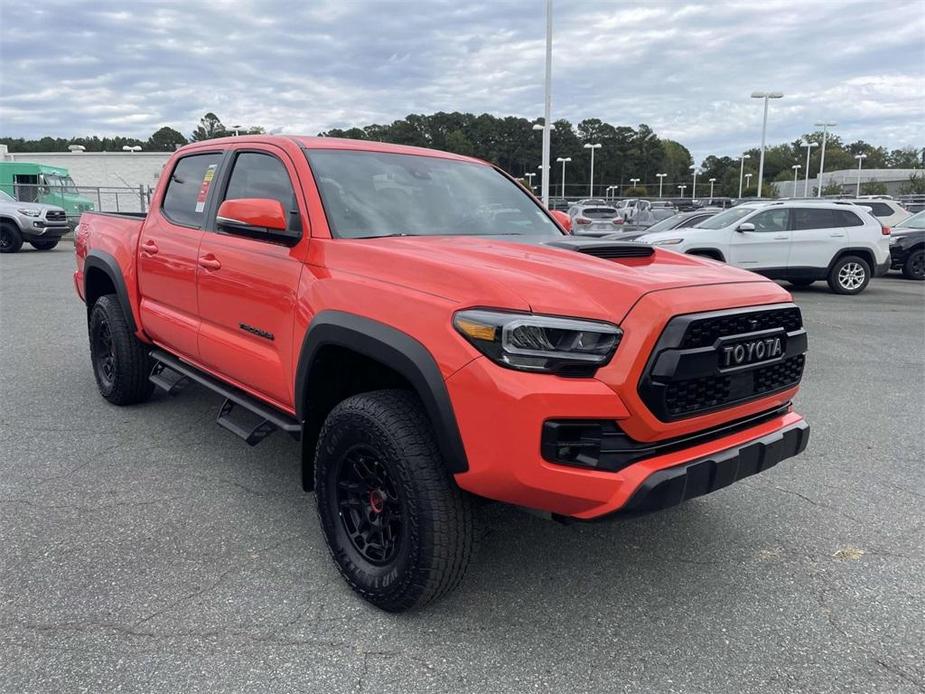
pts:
pixel 370 194
pixel 809 218
pixel 725 219
pixel 770 220
pixel 257 175
pixel 188 187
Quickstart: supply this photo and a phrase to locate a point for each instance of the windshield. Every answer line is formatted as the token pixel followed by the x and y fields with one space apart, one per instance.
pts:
pixel 6 197
pixel 916 221
pixel 724 219
pixel 369 194
pixel 65 184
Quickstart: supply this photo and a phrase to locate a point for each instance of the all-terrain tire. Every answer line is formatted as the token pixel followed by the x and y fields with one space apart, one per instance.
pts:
pixel 849 275
pixel 120 361
pixel 380 446
pixel 10 238
pixel 914 267
pixel 44 244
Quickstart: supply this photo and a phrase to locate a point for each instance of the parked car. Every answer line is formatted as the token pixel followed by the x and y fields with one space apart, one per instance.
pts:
pixel 801 242
pixel 682 220
pixel 889 212
pixel 45 185
pixel 907 246
pixel 39 225
pixel 912 203
pixel 354 295
pixel 595 218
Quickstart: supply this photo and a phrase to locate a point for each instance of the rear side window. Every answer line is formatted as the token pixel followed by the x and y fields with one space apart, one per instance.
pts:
pixel 816 218
pixel 188 187
pixel 258 175
pixel 878 209
pixel 849 219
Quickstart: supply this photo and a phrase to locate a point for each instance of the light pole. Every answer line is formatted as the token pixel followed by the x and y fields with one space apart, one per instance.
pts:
pixel 682 189
pixel 529 177
pixel 712 181
pixel 748 180
pixel 133 149
pixel 796 170
pixel 809 148
pixel 563 160
pixel 742 171
pixel 547 103
pixel 634 181
pixel 860 158
pixel 661 179
pixel 588 145
pixel 764 128
pixel 694 189
pixel 825 131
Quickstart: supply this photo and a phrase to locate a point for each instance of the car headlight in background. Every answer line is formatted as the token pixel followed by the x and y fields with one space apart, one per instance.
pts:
pixel 30 213
pixel 667 242
pixel 567 346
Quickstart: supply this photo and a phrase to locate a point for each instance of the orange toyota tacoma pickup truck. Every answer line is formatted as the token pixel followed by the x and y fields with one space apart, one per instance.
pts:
pixel 433 336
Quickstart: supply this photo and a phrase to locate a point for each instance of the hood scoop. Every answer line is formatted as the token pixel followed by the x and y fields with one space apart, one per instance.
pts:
pixel 604 248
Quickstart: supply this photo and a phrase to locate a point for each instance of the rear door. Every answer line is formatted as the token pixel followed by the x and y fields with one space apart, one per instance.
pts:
pixel 768 246
pixel 247 284
pixel 818 233
pixel 168 252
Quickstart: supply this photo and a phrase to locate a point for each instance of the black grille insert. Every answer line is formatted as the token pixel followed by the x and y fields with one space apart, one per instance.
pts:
pixel 704 332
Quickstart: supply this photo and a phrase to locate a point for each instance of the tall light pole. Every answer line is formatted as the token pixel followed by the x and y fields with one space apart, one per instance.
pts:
pixel 809 148
pixel 682 189
pixel 634 181
pixel 796 170
pixel 529 177
pixel 694 189
pixel 764 128
pixel 712 181
pixel 588 145
pixel 547 123
pixel 748 180
pixel 860 158
pixel 661 179
pixel 825 131
pixel 563 160
pixel 742 171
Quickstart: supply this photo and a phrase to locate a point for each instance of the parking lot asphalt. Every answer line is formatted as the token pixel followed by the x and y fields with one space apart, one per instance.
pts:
pixel 145 549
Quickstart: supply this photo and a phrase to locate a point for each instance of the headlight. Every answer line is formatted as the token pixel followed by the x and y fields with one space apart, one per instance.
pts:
pixel 568 346
pixel 666 242
pixel 30 213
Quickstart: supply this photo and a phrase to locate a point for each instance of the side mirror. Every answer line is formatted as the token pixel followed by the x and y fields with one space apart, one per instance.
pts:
pixel 746 226
pixel 255 217
pixel 564 220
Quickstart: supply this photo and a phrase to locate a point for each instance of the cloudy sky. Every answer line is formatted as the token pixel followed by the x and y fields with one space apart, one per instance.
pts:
pixel 684 67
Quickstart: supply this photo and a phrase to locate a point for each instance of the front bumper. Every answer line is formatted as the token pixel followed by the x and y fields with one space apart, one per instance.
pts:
pixel 41 229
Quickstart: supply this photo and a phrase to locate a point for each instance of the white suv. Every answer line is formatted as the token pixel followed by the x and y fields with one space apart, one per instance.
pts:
pixel 801 242
pixel 889 212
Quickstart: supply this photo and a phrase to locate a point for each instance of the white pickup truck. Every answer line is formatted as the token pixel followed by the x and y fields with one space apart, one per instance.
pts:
pixel 40 225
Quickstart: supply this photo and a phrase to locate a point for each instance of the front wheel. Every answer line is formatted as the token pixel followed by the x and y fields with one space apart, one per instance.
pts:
pixel 398 527
pixel 10 238
pixel 121 363
pixel 914 267
pixel 44 244
pixel 849 275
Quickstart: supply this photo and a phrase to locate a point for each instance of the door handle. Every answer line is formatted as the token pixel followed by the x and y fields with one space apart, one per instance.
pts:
pixel 209 262
pixel 837 236
pixel 780 238
pixel 150 247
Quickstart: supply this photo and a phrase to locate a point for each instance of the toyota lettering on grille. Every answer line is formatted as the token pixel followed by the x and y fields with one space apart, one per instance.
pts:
pixel 752 351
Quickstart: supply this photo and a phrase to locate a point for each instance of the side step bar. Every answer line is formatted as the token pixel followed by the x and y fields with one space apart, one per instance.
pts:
pixel 172 375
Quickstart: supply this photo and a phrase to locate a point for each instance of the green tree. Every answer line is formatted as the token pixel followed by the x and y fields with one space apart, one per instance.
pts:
pixel 209 128
pixel 874 188
pixel 165 140
pixel 915 186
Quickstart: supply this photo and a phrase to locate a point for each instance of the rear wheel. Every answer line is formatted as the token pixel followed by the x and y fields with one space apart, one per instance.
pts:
pixel 121 363
pixel 849 275
pixel 914 267
pixel 10 238
pixel 398 527
pixel 44 244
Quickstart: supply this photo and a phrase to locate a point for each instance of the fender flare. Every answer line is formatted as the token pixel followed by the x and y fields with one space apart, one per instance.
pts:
pixel 396 350
pixel 102 261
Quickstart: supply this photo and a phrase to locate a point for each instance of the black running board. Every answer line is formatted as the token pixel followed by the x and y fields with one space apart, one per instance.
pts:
pixel 171 374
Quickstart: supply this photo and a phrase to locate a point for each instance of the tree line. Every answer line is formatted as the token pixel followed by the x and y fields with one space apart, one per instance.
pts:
pixel 625 152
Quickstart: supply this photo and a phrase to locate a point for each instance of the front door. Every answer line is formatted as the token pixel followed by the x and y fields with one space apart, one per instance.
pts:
pixel 168 252
pixel 247 285
pixel 768 246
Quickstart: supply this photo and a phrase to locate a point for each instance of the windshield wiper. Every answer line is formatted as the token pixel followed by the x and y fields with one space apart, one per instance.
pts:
pixel 385 236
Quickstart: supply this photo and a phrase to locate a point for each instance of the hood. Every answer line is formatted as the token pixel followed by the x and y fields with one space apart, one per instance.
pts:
pixel 526 276
pixel 31 206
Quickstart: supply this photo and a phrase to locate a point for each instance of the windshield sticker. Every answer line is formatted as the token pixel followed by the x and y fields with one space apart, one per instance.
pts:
pixel 204 188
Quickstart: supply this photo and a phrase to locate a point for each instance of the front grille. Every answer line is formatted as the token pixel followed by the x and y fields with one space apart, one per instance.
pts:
pixel 688 375
pixel 696 394
pixel 706 331
pixel 56 216
pixel 787 372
